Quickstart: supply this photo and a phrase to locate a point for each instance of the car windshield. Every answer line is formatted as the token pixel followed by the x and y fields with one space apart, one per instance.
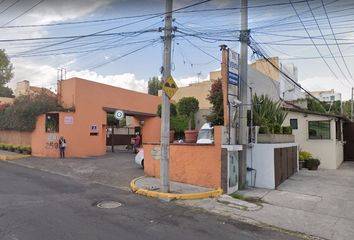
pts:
pixel 205 134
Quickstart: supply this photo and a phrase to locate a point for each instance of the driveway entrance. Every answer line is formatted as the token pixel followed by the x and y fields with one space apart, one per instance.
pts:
pixel 114 169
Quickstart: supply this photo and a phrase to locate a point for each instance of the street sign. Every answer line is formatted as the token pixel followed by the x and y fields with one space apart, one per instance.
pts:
pixel 119 115
pixel 170 87
pixel 233 67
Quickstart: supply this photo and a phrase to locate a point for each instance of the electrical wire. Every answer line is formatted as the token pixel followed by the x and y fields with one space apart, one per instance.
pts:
pixel 17 17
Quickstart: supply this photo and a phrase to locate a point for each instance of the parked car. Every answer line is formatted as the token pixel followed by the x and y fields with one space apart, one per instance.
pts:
pixel 139 157
pixel 206 134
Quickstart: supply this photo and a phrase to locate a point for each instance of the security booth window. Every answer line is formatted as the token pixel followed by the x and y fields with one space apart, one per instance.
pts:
pixel 319 129
pixel 52 122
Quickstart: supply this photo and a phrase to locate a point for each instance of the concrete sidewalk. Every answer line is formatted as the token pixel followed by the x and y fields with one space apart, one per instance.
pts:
pixel 318 203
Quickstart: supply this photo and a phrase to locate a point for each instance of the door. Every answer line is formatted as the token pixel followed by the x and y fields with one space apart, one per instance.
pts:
pixel 232 171
pixel 348 137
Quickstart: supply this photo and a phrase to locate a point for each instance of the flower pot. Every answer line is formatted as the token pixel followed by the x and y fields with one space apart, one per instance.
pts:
pixel 172 136
pixel 301 164
pixel 191 136
pixel 312 167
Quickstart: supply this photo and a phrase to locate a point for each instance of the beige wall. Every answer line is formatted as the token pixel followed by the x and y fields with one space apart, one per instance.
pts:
pixel 6 100
pixel 15 137
pixel 266 68
pixel 329 152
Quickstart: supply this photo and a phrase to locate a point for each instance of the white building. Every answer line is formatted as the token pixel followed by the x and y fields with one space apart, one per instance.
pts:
pixel 327 96
pixel 288 90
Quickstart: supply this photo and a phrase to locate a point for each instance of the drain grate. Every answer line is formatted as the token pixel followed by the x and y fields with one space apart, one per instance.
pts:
pixel 108 204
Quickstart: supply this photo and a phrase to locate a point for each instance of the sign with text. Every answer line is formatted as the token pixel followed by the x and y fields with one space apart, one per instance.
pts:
pixel 68 120
pixel 234 58
pixel 170 87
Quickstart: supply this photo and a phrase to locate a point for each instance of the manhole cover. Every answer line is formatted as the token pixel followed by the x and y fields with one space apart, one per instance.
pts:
pixel 108 204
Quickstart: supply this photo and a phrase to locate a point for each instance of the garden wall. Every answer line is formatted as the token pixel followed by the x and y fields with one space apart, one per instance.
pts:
pixel 197 164
pixel 16 137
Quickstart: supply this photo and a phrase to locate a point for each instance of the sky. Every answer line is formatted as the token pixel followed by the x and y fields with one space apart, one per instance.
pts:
pixel 118 42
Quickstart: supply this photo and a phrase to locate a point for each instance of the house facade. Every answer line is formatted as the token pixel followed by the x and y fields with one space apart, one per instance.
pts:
pixel 318 133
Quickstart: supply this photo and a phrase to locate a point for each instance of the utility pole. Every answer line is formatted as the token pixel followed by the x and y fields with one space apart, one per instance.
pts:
pixel 351 105
pixel 165 109
pixel 243 130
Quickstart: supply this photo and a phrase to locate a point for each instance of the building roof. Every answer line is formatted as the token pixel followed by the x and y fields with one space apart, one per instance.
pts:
pixel 299 110
pixel 39 90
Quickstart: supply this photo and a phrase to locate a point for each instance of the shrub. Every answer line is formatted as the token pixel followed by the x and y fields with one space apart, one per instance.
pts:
pixel 303 156
pixel 22 114
pixel 263 130
pixel 277 129
pixel 313 163
pixel 287 130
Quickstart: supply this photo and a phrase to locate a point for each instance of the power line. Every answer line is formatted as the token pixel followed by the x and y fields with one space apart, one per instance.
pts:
pixel 330 51
pixel 113 28
pixel 258 52
pixel 314 44
pixel 9 6
pixel 340 51
pixel 124 55
pixel 17 17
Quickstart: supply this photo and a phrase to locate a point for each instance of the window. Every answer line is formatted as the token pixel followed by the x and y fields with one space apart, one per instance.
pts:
pixel 293 123
pixel 319 129
pixel 52 122
pixel 331 98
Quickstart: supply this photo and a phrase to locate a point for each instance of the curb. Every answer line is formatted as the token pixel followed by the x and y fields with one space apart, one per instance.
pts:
pixel 15 157
pixel 177 196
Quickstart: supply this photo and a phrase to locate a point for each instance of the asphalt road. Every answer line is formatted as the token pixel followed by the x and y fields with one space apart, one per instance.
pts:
pixel 39 205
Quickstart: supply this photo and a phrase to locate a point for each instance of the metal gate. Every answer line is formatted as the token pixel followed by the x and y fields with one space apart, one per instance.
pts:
pixel 348 137
pixel 285 163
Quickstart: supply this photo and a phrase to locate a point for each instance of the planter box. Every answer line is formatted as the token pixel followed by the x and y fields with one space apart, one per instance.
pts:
pixel 275 138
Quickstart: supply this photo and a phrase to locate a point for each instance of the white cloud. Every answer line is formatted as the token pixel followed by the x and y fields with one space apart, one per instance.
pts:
pixel 57 11
pixel 125 80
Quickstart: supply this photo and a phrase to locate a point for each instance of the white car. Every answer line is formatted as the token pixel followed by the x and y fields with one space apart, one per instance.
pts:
pixel 139 157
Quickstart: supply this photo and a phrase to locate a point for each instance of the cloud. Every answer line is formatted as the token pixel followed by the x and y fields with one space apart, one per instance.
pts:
pixel 58 11
pixel 125 80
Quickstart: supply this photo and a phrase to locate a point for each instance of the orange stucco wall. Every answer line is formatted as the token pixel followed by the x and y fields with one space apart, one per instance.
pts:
pixel 89 98
pixel 195 164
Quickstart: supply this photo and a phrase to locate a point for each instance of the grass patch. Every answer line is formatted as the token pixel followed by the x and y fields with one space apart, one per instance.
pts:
pixel 247 199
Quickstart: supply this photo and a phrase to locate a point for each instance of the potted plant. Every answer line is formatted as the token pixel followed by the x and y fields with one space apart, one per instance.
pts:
pixel 303 158
pixel 173 113
pixel 188 106
pixel 313 163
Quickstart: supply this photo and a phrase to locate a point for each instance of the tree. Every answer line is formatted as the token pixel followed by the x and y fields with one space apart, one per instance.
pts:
pixel 6 68
pixel 22 114
pixel 216 98
pixel 154 85
pixel 6 92
pixel 188 106
pixel 6 74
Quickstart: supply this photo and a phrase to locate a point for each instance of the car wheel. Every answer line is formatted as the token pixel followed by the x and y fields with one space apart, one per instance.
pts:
pixel 142 163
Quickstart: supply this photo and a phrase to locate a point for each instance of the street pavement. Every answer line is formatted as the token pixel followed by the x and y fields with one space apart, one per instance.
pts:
pixel 40 205
pixel 318 203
